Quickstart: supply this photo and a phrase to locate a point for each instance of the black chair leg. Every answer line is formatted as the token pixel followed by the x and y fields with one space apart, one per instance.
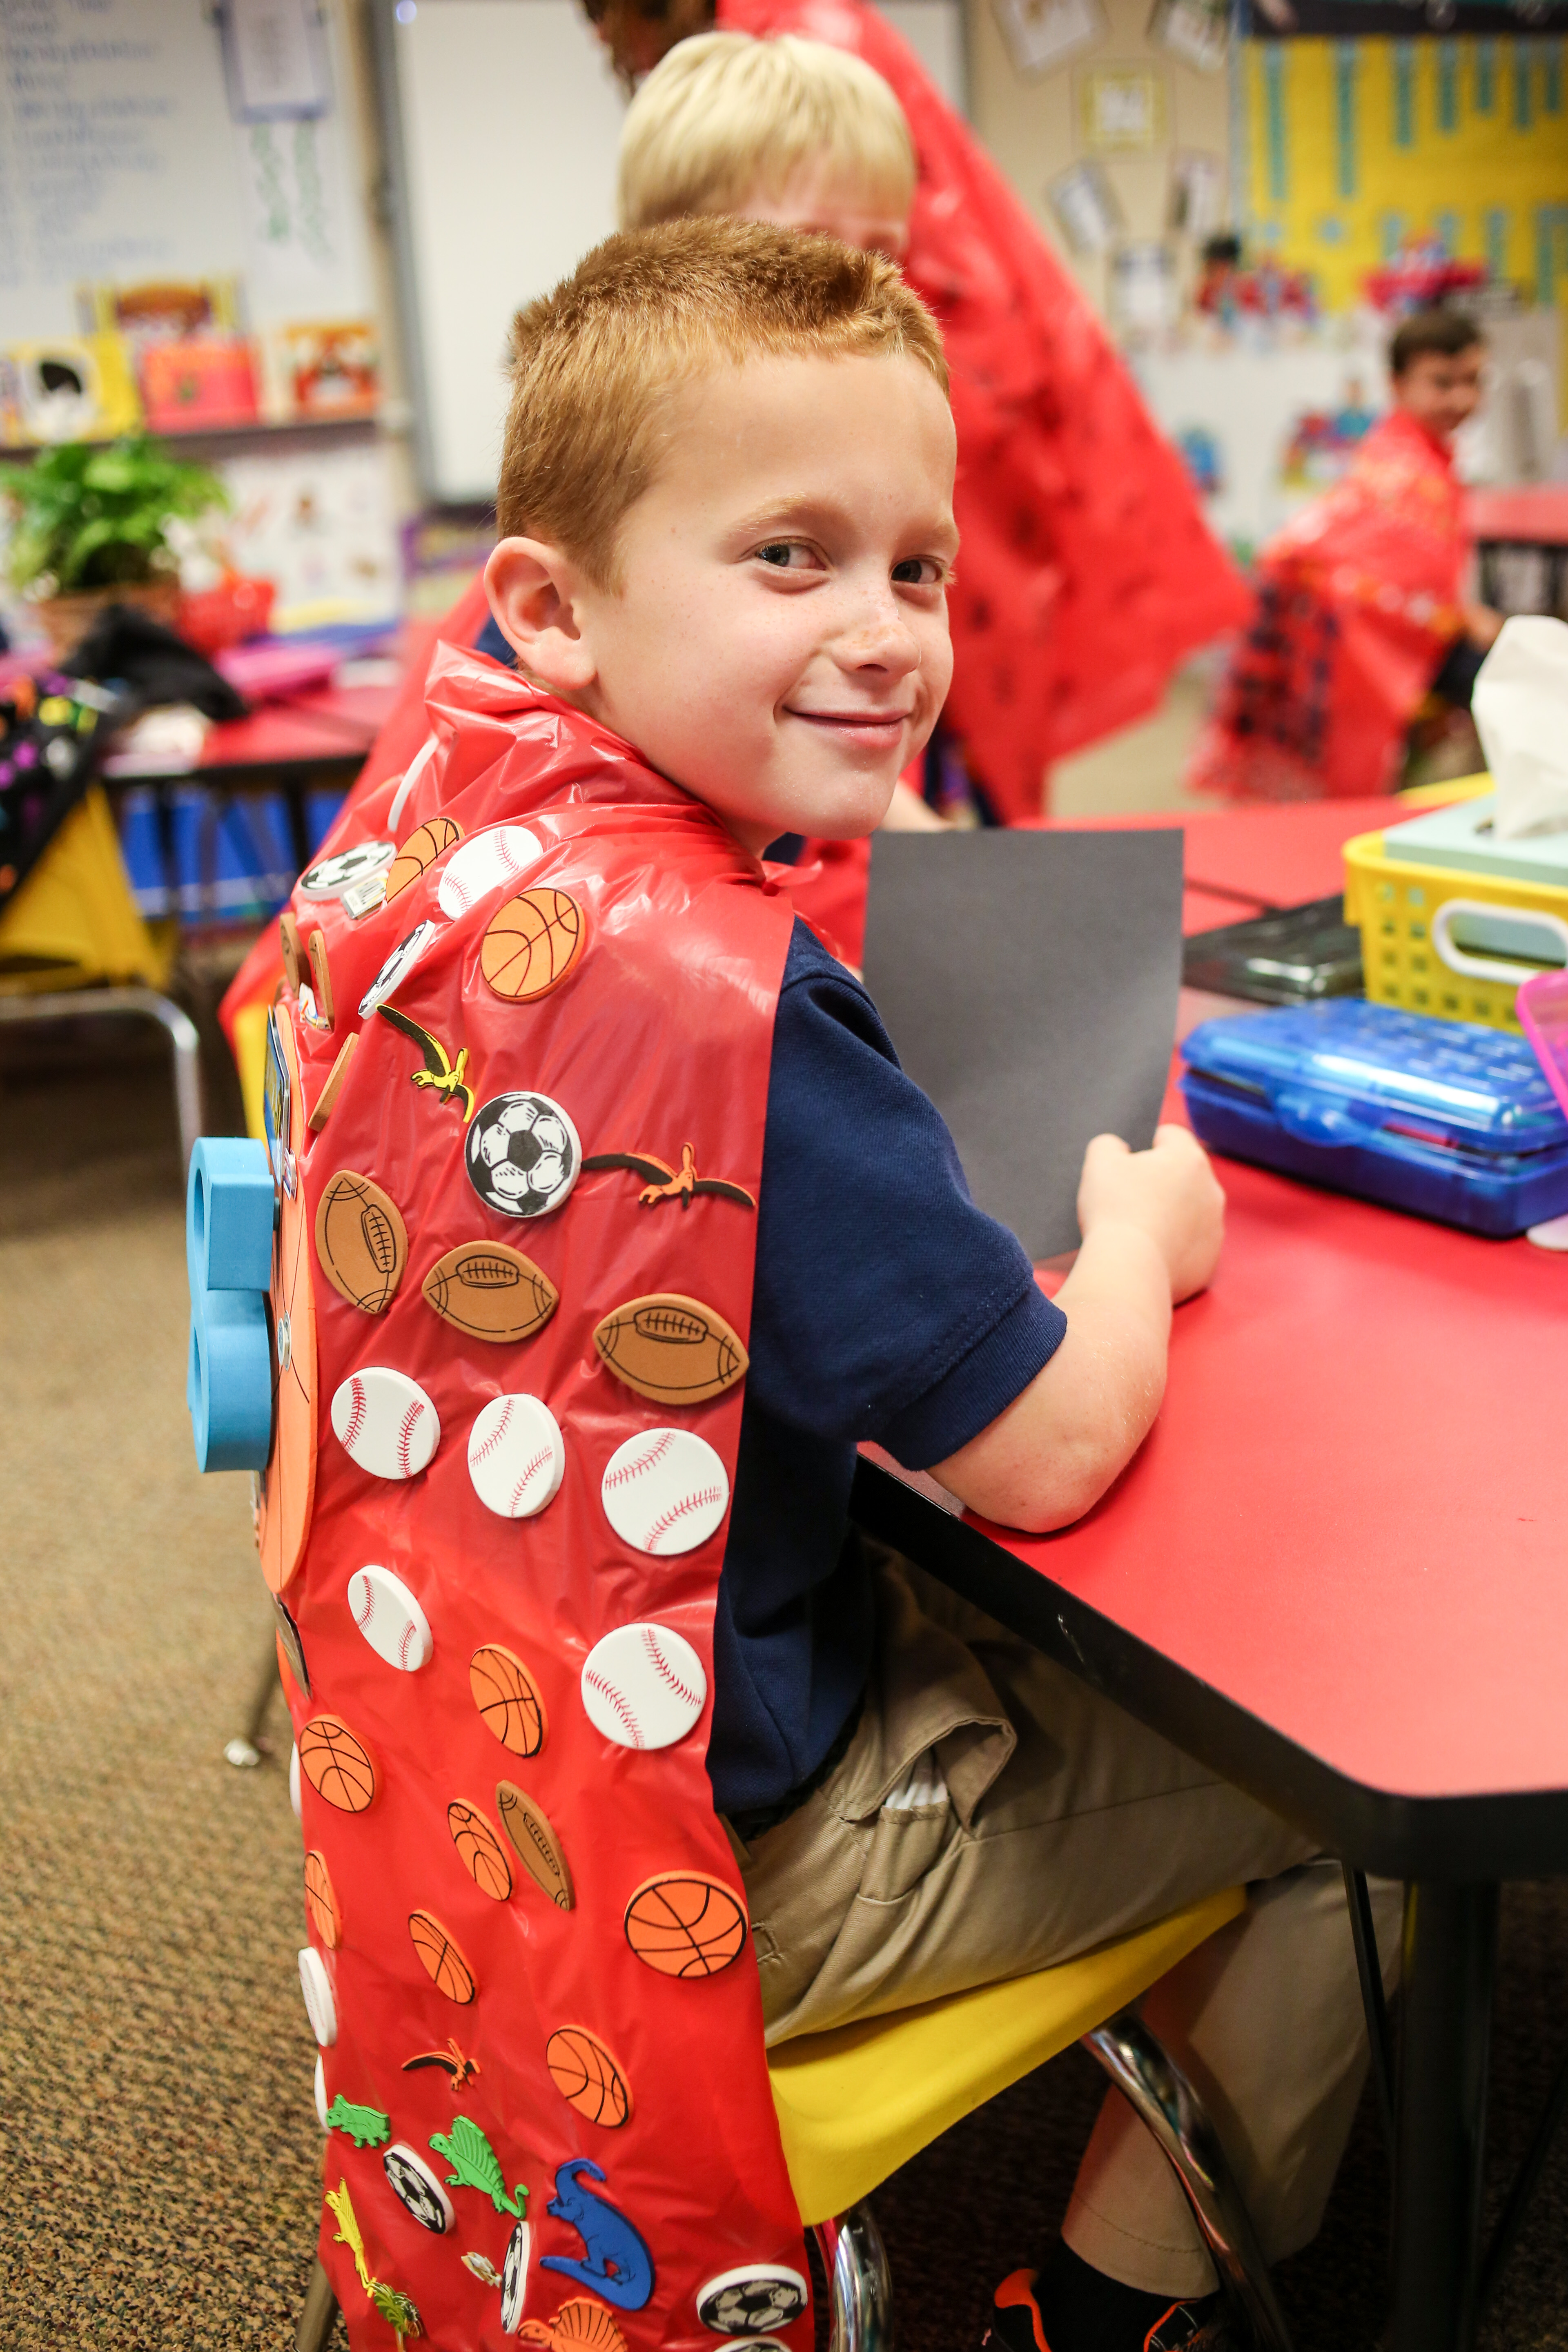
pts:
pixel 320 2316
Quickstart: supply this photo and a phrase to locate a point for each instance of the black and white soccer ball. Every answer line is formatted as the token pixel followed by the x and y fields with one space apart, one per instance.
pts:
pixel 413 2180
pixel 752 2300
pixel 398 966
pixel 330 877
pixel 514 2279
pixel 523 1155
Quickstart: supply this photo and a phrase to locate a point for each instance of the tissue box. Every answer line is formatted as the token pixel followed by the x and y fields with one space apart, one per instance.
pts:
pixel 1451 939
pixel 1445 1119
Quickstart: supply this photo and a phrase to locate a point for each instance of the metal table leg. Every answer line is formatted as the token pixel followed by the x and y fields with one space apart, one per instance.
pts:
pixel 1451 1955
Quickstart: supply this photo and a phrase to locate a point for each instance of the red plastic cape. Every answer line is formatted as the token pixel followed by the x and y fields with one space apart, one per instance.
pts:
pixel 1358 598
pixel 1086 571
pixel 630 2105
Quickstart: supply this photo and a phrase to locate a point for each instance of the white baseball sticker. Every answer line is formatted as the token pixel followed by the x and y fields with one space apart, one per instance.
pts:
pixel 517 1457
pixel 398 966
pixel 321 2093
pixel 502 853
pixel 317 1987
pixel 385 1423
pixel 330 877
pixel 390 1618
pixel 294 1784
pixel 664 1491
pixel 643 1687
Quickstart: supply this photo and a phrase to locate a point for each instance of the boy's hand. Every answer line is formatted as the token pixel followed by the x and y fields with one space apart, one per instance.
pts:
pixel 1171 1193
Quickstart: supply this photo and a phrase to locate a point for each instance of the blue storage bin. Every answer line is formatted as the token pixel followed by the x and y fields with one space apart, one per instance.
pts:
pixel 233 857
pixel 141 847
pixel 1444 1117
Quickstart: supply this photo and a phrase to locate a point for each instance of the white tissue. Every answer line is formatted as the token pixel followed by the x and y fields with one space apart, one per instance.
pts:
pixel 1521 710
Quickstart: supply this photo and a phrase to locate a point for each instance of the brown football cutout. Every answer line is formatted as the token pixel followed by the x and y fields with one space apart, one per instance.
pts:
pixel 490 1292
pixel 538 1847
pixel 362 1241
pixel 335 1078
pixel 321 975
pixel 291 952
pixel 671 1349
pixel 423 846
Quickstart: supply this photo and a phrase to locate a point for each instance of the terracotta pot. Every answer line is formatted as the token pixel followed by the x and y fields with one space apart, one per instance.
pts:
pixel 68 618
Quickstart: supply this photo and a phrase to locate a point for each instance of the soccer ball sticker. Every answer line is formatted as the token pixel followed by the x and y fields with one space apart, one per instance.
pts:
pixel 331 876
pixel 752 2300
pixel 398 966
pixel 413 2180
pixel 523 1154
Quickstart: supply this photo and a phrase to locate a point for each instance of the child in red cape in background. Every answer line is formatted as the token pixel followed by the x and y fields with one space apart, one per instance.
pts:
pixel 1361 612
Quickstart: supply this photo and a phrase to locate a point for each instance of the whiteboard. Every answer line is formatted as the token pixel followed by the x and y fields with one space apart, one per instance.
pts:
pixel 502 122
pixel 120 162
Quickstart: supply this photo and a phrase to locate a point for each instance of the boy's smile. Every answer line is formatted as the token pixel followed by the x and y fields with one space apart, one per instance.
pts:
pixel 777 639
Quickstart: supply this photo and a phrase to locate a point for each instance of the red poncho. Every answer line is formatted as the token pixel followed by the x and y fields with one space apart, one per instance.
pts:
pixel 1358 600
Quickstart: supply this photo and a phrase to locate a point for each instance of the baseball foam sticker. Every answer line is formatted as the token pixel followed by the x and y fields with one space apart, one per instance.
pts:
pixel 321 2007
pixel 671 1349
pixel 441 1078
pixel 384 1423
pixel 362 1241
pixel 535 1843
pixel 588 2077
pixel 664 1491
pixel 440 1959
pixel 321 2091
pixel 751 2299
pixel 295 1805
pixel 532 944
pixel 398 965
pixel 487 861
pixel 684 1924
pixel 615 2262
pixel 523 1154
pixel 643 1686
pixel 663 1183
pixel 423 846
pixel 336 1765
pixel 390 1618
pixel 517 1457
pixel 476 2165
pixel 507 1699
pixel 419 2187
pixel 480 1850
pixel 490 1291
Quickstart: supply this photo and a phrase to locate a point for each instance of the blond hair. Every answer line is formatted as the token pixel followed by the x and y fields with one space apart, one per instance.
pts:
pixel 725 118
pixel 594 361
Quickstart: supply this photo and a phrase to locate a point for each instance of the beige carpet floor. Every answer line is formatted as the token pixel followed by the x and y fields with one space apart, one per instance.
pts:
pixel 159 2149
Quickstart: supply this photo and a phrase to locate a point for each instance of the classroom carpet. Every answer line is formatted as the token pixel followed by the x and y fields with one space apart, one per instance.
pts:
pixel 160 2154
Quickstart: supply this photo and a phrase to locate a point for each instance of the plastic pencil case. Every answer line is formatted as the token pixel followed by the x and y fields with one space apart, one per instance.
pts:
pixel 1445 1118
pixel 1446 940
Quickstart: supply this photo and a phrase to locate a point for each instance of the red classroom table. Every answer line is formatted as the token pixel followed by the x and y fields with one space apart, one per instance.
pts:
pixel 1336 1573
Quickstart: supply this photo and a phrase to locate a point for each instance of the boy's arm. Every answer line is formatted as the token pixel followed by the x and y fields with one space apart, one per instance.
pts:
pixel 1153 1224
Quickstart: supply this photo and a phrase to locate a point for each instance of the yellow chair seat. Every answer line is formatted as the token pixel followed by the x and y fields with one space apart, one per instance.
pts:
pixel 74 920
pixel 855 2103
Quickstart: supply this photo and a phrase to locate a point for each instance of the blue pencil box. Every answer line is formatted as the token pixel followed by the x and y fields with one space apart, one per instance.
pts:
pixel 1445 1118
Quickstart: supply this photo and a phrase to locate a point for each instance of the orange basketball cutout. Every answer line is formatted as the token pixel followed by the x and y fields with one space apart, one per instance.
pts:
pixel 685 1925
pixel 336 1764
pixel 588 2077
pixel 508 1699
pixel 321 1902
pixel 443 1963
pixel 283 1513
pixel 362 1242
pixel 532 944
pixel 480 1850
pixel 423 846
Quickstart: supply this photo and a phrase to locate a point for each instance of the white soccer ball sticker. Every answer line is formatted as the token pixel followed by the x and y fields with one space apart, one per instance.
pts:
pixel 517 1457
pixel 664 1491
pixel 398 966
pixel 487 861
pixel 514 2278
pixel 751 2299
pixel 523 1154
pixel 317 1987
pixel 385 1423
pixel 420 2189
pixel 643 1687
pixel 330 877
pixel 390 1618
pixel 322 2093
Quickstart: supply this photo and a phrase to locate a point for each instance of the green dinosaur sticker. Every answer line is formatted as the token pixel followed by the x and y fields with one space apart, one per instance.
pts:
pixel 396 2309
pixel 366 2127
pixel 477 2165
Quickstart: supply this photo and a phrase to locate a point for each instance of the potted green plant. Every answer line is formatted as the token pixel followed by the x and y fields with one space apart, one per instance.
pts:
pixel 91 527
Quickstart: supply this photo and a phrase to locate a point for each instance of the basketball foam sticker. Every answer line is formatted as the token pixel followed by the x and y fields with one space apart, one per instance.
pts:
pixel 487 861
pixel 290 1646
pixel 751 2299
pixel 423 846
pixel 685 1924
pixel 532 944
pixel 523 1154
pixel 390 1618
pixel 288 1485
pixel 665 1491
pixel 480 1850
pixel 671 1349
pixel 362 1241
pixel 419 2187
pixel 319 2006
pixel 321 1902
pixel 517 1457
pixel 643 1687
pixel 588 2077
pixel 440 1959
pixel 508 1699
pixel 384 1423
pixel 490 1292
pixel 535 1843
pixel 336 1763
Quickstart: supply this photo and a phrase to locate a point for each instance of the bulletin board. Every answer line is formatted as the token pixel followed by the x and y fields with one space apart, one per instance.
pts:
pixel 502 124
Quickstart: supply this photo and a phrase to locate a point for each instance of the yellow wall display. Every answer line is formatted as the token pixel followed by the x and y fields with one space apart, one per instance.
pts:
pixel 1353 148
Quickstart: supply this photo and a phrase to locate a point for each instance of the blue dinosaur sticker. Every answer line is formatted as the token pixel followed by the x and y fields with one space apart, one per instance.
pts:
pixel 617 2263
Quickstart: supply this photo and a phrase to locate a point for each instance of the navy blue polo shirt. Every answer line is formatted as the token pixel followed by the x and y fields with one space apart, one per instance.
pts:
pixel 886 1307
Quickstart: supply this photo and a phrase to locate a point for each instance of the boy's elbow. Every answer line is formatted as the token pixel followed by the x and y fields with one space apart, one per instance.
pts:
pixel 1059 1490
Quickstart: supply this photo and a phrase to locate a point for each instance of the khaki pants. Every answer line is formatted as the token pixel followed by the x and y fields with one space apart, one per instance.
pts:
pixel 992 1816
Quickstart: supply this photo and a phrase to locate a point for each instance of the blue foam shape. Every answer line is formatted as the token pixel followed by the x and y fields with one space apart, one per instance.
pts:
pixel 228 1380
pixel 228 1216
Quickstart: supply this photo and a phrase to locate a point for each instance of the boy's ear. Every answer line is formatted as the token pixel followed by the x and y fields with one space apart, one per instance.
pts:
pixel 531 589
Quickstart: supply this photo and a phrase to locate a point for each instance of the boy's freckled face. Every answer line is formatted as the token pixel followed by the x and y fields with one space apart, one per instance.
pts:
pixel 778 640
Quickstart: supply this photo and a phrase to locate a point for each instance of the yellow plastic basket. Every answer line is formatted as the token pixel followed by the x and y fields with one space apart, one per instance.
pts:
pixel 1443 941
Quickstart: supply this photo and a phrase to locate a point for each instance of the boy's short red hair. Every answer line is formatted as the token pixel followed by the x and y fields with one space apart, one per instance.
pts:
pixel 594 361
